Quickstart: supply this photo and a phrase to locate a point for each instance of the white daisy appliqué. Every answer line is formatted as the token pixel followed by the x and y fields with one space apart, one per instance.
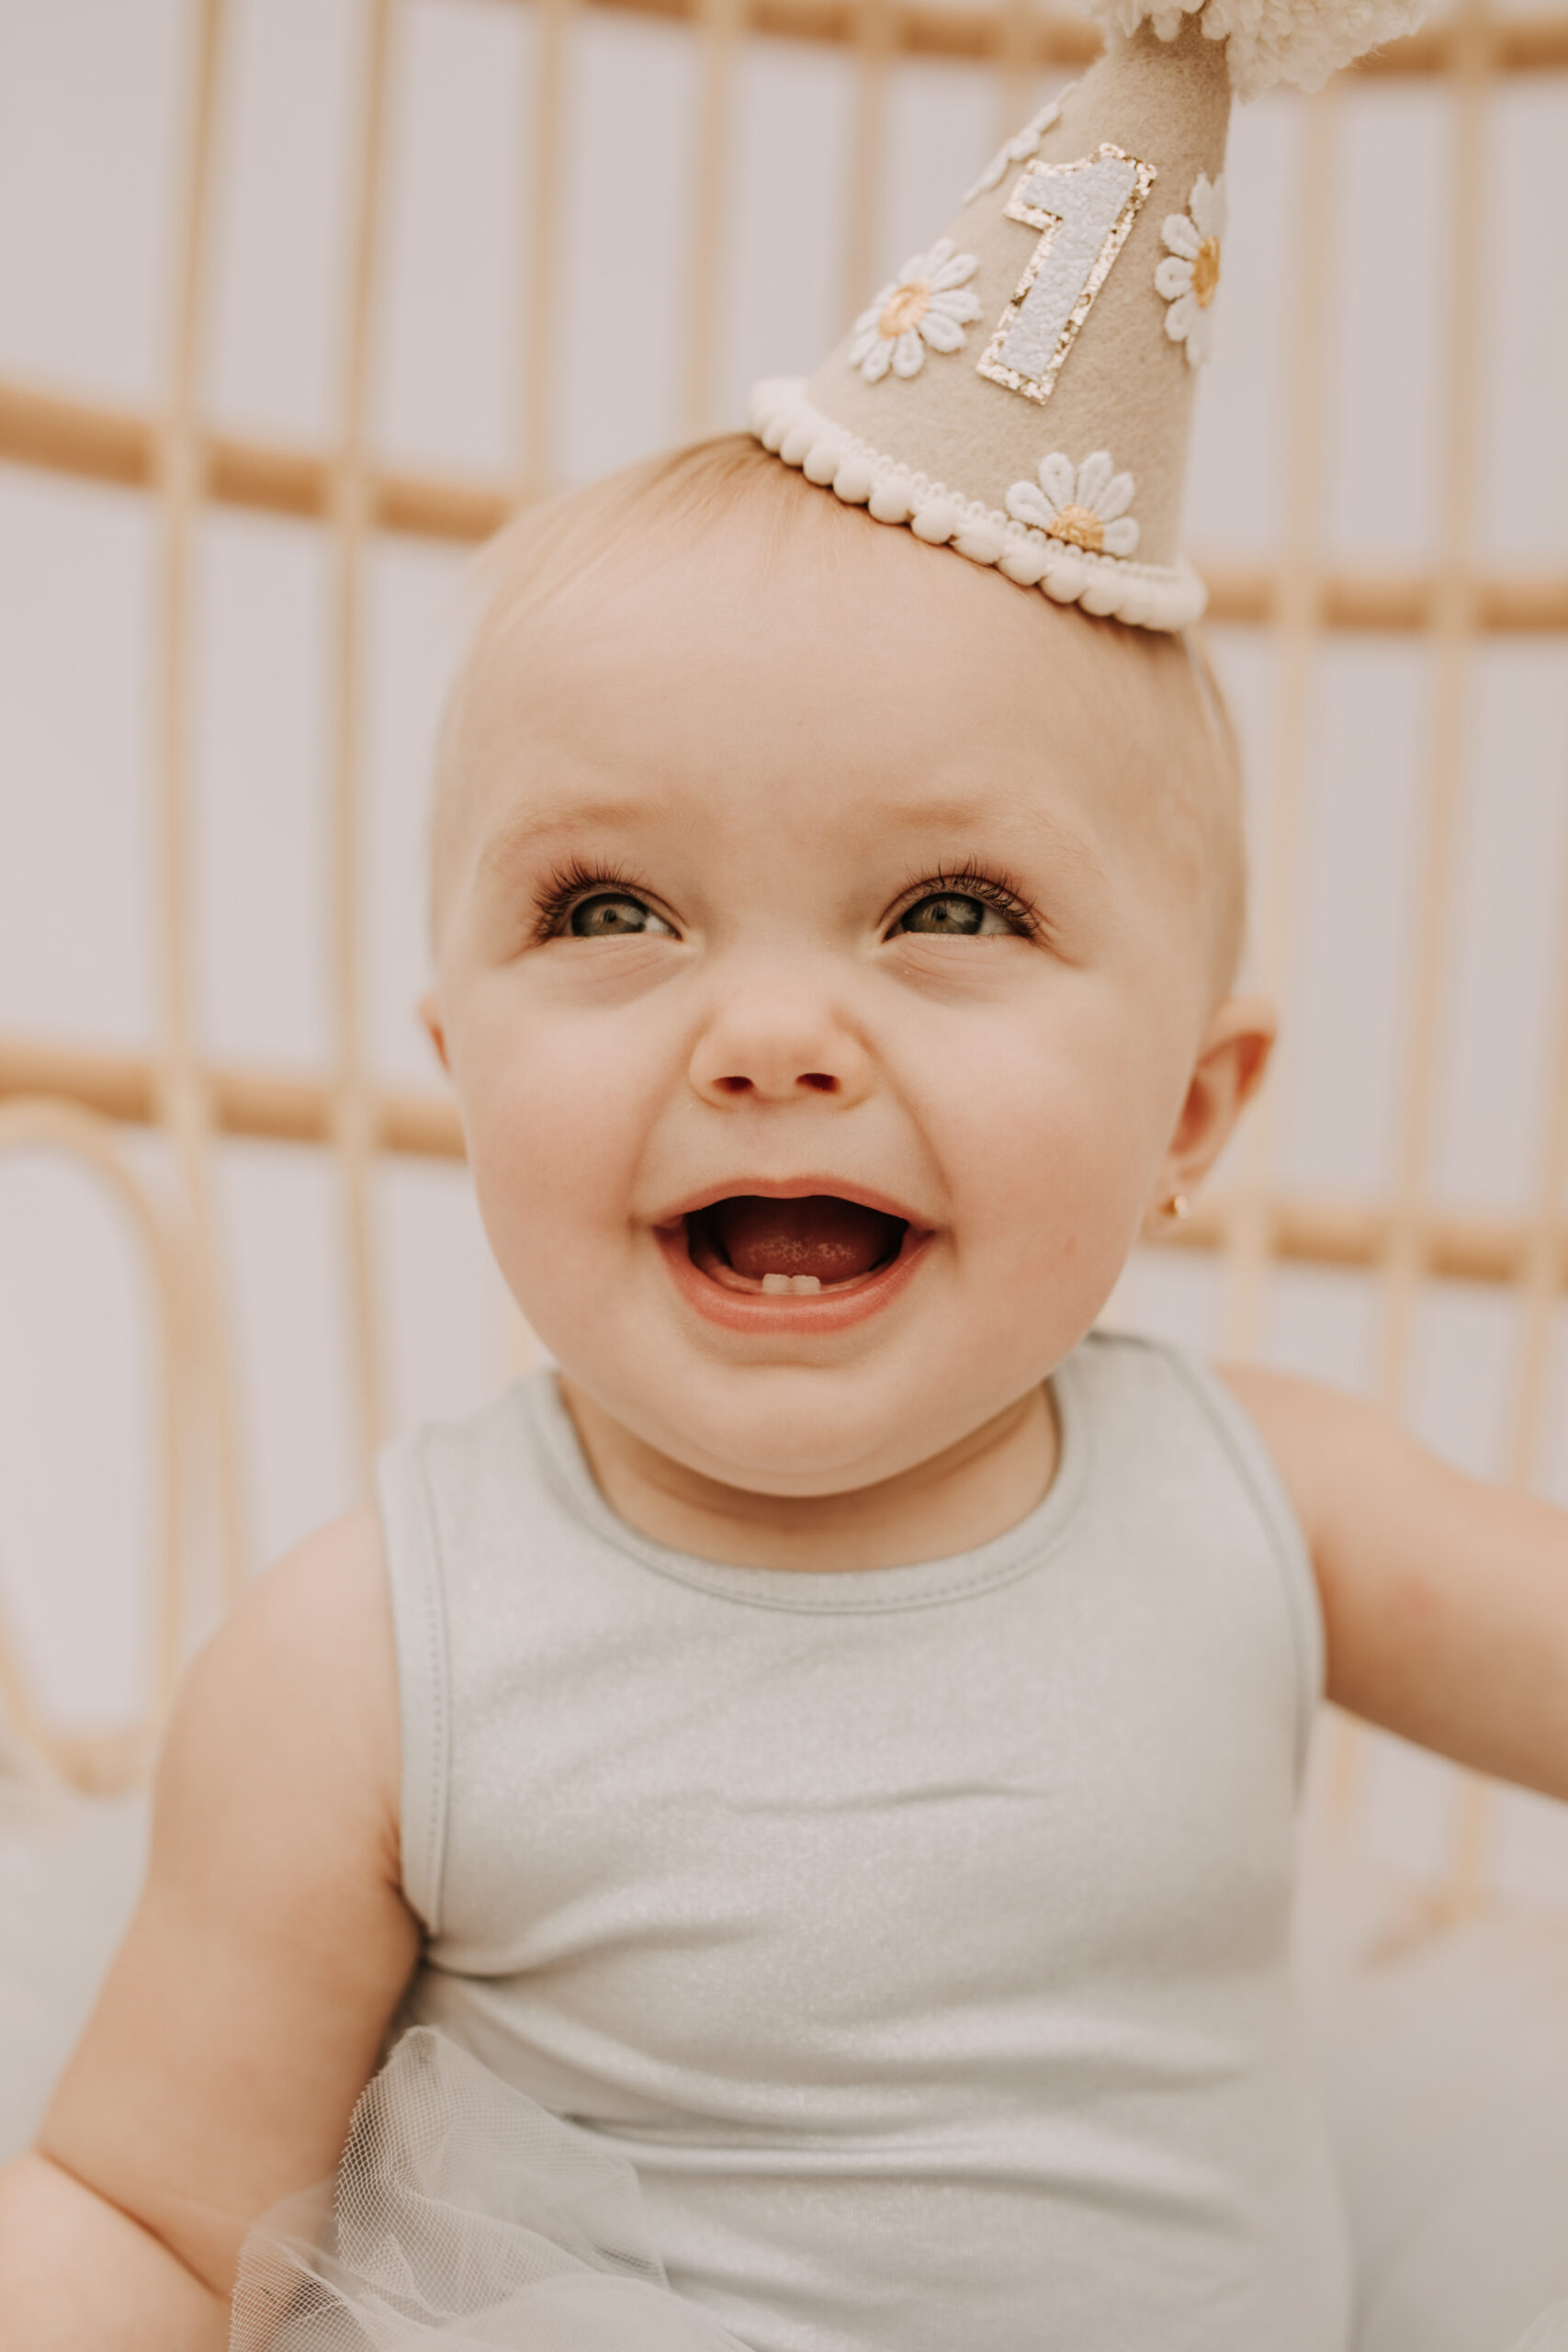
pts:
pixel 1189 278
pixel 1083 507
pixel 928 302
pixel 1020 149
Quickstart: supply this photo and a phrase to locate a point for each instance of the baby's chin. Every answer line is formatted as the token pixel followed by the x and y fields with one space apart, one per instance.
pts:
pixel 803 1448
pixel 811 1430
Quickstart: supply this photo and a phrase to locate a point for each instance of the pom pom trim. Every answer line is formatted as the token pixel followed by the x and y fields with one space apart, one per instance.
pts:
pixel 1147 596
pixel 1269 41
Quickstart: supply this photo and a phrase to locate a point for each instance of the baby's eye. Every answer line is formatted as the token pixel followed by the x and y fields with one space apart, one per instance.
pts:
pixel 613 915
pixel 952 914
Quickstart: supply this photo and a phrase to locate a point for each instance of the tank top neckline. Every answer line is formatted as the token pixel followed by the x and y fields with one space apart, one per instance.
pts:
pixel 844 1592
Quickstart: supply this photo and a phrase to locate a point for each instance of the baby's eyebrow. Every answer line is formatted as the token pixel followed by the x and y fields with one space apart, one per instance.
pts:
pixel 1030 836
pixel 519 840
pixel 1027 836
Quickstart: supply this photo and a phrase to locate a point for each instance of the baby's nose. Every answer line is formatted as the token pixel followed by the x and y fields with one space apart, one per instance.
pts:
pixel 735 1082
pixel 778 1045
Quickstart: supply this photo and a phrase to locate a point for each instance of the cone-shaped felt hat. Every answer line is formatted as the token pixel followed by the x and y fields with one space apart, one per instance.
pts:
pixel 1024 391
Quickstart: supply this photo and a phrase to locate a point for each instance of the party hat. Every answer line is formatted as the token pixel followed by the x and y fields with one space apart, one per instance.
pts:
pixel 1023 390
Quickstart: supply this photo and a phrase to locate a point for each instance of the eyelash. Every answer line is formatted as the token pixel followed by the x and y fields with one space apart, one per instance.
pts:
pixel 971 880
pixel 572 883
pixel 569 884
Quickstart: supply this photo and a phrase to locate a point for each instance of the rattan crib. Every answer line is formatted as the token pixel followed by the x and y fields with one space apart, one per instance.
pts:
pixel 1436 556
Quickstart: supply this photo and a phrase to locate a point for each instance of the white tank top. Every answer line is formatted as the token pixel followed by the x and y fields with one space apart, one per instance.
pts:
pixel 921 1934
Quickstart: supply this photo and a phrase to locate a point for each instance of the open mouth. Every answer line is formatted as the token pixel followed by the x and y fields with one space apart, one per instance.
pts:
pixel 801 1249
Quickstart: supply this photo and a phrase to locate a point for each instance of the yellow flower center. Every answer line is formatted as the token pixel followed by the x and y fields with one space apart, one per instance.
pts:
pixel 904 309
pixel 1206 272
pixel 1079 527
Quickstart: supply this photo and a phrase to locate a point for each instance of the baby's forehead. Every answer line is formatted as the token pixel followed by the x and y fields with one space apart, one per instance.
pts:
pixel 820 620
pixel 795 635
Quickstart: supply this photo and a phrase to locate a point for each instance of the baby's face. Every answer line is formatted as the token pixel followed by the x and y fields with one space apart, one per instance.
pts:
pixel 819 998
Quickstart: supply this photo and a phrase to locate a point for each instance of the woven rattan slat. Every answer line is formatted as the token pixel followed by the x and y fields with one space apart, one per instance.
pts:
pixel 93 443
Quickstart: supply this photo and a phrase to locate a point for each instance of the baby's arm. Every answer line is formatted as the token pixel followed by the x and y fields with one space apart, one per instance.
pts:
pixel 1445 1601
pixel 246 2008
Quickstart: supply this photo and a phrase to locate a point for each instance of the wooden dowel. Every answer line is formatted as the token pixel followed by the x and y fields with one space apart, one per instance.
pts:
pixel 873 35
pixel 1454 624
pixel 706 240
pixel 200 1363
pixel 31 1121
pixel 426 509
pixel 98 444
pixel 79 438
pixel 974 35
pixel 1530 42
pixel 1296 604
pixel 543 179
pixel 283 1106
pixel 276 1106
pixel 350 1106
pixel 1016 65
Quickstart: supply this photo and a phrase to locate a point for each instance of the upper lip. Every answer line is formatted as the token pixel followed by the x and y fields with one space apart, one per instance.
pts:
pixel 792 1188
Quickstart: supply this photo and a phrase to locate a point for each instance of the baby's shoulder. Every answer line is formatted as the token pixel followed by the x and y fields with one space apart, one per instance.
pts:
pixel 301 1681
pixel 327 1591
pixel 1322 1442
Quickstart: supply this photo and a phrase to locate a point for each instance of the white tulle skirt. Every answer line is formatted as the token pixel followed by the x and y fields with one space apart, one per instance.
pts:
pixel 463 2214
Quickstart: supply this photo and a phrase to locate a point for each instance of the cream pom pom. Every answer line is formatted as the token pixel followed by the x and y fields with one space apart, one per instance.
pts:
pixel 1299 41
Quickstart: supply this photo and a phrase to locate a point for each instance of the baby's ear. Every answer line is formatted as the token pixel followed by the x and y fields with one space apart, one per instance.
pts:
pixel 430 1014
pixel 1226 1073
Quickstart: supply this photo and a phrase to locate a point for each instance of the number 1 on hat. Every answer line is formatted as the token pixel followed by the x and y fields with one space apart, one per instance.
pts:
pixel 1083 211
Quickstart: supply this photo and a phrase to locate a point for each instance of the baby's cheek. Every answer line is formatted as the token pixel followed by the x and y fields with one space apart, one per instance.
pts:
pixel 1048 1145
pixel 1048 1196
pixel 553 1124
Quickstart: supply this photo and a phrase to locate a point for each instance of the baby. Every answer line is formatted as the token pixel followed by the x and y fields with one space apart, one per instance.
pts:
pixel 837 1740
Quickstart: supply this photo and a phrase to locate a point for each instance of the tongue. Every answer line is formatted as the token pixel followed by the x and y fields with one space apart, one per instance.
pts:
pixel 821 1235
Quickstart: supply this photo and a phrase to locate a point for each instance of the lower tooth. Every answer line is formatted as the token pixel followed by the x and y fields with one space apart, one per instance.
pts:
pixel 777 1285
pixel 804 1284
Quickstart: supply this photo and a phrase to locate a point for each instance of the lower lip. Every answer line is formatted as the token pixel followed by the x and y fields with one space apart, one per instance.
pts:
pixel 815 1312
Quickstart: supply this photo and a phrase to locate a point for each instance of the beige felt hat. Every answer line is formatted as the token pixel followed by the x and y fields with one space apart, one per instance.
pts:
pixel 1023 392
